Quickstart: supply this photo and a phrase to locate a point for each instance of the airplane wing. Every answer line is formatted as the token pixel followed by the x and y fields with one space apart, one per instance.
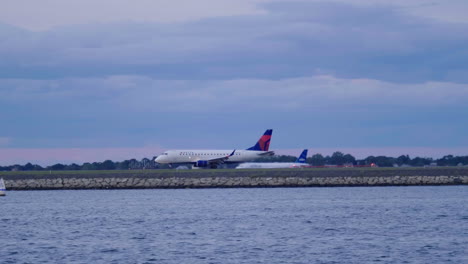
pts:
pixel 221 160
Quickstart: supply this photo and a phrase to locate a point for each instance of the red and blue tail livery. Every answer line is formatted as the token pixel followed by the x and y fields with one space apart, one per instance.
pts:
pixel 263 143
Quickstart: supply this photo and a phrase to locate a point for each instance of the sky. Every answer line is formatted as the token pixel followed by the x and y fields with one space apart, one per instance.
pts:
pixel 90 80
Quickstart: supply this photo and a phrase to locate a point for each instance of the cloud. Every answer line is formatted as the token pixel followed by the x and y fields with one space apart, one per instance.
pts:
pixel 291 39
pixel 452 11
pixel 140 93
pixel 47 14
pixel 130 111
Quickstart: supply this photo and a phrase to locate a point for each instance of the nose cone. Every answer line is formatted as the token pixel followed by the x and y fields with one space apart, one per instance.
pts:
pixel 161 158
pixel 158 159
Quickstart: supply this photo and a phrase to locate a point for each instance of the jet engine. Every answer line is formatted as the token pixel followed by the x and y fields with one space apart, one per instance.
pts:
pixel 201 163
pixel 205 164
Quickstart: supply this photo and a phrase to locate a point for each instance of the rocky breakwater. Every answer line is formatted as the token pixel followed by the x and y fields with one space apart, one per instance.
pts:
pixel 236 178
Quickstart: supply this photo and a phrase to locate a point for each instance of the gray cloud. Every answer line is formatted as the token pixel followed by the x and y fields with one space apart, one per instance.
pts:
pixel 290 40
pixel 140 93
pixel 46 14
pixel 342 73
pixel 134 110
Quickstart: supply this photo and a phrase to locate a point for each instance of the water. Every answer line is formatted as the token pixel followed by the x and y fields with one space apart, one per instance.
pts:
pixel 280 225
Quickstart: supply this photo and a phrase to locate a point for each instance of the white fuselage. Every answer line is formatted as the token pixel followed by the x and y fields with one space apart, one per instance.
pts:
pixel 191 156
pixel 271 165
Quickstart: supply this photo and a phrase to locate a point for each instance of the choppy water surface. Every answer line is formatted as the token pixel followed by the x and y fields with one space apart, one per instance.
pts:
pixel 280 225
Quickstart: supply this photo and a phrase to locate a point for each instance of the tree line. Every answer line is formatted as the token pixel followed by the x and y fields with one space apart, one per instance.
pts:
pixel 131 164
pixel 337 158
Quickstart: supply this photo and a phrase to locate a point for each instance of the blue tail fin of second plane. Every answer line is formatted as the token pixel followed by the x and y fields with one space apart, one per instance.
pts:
pixel 263 143
pixel 302 158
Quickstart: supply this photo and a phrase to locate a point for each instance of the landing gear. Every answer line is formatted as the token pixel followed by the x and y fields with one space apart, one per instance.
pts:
pixel 204 168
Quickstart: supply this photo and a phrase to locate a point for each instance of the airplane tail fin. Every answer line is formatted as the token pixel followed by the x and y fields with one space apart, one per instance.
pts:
pixel 263 143
pixel 302 158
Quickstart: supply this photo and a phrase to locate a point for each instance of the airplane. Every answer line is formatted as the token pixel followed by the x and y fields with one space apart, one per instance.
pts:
pixel 214 158
pixel 299 163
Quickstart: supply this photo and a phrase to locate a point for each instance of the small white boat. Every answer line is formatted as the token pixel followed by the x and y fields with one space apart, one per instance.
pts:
pixel 2 187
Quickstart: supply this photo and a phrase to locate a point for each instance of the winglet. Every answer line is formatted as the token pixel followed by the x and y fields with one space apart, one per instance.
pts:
pixel 232 153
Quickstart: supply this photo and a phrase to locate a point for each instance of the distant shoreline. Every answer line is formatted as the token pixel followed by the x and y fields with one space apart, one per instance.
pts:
pixel 231 178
